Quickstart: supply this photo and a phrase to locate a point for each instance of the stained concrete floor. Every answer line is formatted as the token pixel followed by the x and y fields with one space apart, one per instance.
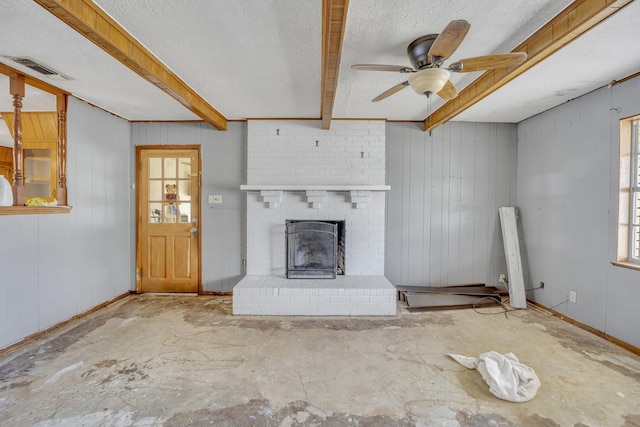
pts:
pixel 186 361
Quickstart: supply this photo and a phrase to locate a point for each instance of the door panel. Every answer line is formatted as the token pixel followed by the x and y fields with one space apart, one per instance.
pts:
pixel 182 249
pixel 168 206
pixel 157 256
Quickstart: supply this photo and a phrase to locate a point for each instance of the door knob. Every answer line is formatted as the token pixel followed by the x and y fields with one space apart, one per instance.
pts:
pixel 193 229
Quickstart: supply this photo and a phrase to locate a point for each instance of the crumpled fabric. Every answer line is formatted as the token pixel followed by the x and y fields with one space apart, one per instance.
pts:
pixel 507 378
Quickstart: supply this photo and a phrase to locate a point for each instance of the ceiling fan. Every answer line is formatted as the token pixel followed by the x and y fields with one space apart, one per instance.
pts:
pixel 428 53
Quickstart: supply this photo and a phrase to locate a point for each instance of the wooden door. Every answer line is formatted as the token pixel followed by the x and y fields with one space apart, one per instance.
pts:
pixel 168 227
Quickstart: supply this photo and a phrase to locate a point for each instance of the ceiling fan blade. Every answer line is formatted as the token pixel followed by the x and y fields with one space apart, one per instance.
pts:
pixel 488 62
pixel 449 91
pixel 379 67
pixel 449 39
pixel 390 91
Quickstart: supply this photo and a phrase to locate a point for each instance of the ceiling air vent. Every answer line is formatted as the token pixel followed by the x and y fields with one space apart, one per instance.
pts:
pixel 40 68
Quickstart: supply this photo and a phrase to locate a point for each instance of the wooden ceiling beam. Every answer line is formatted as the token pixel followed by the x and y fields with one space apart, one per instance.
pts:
pixel 93 23
pixel 334 21
pixel 32 81
pixel 578 18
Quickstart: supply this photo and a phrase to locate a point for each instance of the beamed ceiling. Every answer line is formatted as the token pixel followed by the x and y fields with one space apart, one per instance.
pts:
pixel 215 60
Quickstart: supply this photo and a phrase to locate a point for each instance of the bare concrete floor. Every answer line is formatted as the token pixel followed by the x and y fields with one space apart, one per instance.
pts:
pixel 186 361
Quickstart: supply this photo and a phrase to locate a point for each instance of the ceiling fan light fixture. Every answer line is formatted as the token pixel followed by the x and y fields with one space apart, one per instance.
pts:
pixel 429 80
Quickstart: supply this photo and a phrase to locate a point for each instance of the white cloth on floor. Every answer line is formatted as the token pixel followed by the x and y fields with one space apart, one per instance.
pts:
pixel 508 379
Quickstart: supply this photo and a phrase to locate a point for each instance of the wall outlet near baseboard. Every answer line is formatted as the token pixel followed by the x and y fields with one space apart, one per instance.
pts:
pixel 573 296
pixel 502 278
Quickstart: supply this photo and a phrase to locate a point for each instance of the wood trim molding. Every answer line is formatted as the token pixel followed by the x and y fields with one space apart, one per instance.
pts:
pixel 334 21
pixel 628 265
pixel 624 79
pixel 586 327
pixel 578 18
pixel 31 81
pixel 34 210
pixel 17 89
pixel 37 335
pixel 61 167
pixel 94 24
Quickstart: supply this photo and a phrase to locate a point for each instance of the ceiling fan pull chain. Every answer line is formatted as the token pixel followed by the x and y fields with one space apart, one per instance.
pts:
pixel 428 110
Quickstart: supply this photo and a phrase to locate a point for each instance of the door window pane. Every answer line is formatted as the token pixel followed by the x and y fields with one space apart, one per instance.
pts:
pixel 184 168
pixel 184 192
pixel 155 190
pixel 170 191
pixel 155 213
pixel 170 167
pixel 155 167
pixel 170 213
pixel 184 212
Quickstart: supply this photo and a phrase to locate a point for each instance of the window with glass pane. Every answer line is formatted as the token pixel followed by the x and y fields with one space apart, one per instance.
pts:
pixel 169 190
pixel 39 174
pixel 634 229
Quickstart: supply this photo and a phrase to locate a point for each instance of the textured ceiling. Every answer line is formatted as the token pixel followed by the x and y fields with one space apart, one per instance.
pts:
pixel 247 58
pixel 380 31
pixel 263 59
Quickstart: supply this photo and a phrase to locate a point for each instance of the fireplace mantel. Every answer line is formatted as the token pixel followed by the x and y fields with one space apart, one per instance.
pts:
pixel 303 187
pixel 316 195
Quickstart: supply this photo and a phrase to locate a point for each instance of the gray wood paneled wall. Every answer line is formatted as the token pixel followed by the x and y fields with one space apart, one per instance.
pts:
pixel 442 211
pixel 559 168
pixel 56 266
pixel 568 160
pixel 223 171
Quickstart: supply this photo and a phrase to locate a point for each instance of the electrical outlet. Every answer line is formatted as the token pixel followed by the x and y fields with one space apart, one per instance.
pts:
pixel 503 278
pixel 573 296
pixel 541 285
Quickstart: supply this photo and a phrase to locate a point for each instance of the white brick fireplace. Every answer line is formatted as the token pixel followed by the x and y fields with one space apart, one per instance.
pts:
pixel 297 171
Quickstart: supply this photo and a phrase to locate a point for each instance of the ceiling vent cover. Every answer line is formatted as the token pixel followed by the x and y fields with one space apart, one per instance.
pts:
pixel 40 68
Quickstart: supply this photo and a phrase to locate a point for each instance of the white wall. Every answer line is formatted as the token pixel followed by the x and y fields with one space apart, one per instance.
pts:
pixel 223 171
pixel 567 193
pixel 56 266
pixel 442 211
pixel 352 152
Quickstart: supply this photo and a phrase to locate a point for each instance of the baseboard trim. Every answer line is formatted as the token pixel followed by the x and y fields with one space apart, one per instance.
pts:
pixel 586 327
pixel 217 293
pixel 38 334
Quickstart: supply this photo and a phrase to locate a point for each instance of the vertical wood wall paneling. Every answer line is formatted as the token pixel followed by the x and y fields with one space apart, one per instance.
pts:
pixel 62 265
pixel 568 195
pixel 466 255
pixel 19 284
pixel 395 135
pixel 442 215
pixel 416 180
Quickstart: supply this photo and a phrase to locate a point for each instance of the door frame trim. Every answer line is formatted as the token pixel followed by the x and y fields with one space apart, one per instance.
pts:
pixel 138 217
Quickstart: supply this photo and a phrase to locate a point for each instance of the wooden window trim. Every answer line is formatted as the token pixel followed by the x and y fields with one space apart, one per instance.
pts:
pixel 630 266
pixel 17 90
pixel 34 210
